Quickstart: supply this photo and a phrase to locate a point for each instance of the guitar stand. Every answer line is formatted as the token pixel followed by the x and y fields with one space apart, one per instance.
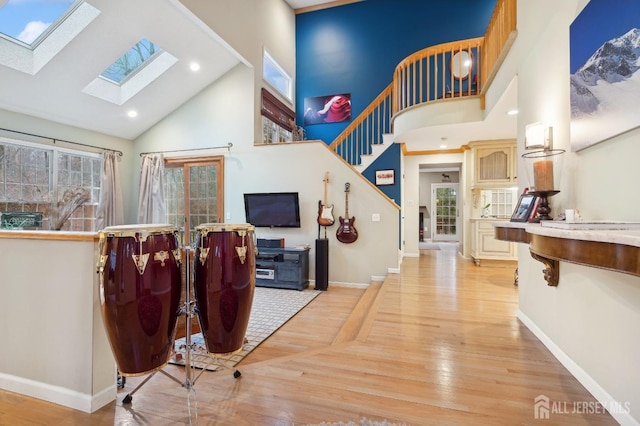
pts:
pixel 189 311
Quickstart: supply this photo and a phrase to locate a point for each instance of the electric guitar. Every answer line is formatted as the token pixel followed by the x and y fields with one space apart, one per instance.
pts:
pixel 346 231
pixel 325 211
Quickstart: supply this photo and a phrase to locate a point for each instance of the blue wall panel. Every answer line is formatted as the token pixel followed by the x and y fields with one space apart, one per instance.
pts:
pixel 355 48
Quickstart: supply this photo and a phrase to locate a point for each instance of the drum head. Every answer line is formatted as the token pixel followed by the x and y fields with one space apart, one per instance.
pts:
pixel 132 230
pixel 205 228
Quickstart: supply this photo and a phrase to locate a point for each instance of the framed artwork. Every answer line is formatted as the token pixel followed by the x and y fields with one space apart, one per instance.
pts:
pixel 385 177
pixel 327 109
pixel 524 208
pixel 604 71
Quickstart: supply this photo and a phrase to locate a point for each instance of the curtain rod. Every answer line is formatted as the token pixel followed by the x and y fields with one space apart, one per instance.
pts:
pixel 228 146
pixel 62 140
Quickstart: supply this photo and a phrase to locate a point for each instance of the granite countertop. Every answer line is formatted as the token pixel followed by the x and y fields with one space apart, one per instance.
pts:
pixel 630 237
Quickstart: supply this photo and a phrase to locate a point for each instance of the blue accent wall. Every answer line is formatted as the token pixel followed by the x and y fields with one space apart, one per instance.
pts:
pixel 355 48
pixel 390 159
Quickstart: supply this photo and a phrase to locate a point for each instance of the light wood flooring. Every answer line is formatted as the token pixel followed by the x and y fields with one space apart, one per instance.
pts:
pixel 438 344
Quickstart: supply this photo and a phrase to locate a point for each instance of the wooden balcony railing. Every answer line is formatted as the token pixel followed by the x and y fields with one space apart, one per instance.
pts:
pixel 499 37
pixel 426 76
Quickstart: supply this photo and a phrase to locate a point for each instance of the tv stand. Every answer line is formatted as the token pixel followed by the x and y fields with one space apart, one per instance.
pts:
pixel 282 267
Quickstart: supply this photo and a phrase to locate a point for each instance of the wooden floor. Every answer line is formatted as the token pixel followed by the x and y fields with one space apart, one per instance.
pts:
pixel 438 344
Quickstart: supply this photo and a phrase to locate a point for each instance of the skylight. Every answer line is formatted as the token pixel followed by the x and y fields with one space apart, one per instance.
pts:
pixel 131 73
pixel 28 21
pixel 131 61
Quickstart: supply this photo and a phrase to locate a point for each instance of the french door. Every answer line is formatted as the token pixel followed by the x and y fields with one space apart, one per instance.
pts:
pixel 445 218
pixel 194 193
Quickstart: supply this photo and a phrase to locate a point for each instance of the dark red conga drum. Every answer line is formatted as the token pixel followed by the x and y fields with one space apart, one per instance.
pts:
pixel 140 289
pixel 224 282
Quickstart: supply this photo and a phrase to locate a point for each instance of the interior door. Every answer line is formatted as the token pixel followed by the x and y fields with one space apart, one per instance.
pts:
pixel 445 216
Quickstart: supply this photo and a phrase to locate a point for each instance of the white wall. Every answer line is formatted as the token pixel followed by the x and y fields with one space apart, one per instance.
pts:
pixel 590 321
pixel 412 196
pixel 221 114
pixel 250 26
pixel 54 344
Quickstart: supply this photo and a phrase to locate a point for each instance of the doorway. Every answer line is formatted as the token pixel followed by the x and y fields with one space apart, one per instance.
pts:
pixel 445 213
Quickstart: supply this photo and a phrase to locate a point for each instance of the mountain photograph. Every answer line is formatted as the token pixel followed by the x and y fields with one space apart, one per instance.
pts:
pixel 605 87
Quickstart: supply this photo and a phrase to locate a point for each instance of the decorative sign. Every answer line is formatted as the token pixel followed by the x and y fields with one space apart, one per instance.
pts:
pixel 13 220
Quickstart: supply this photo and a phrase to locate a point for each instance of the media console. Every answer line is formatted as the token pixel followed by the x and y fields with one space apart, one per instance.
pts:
pixel 282 267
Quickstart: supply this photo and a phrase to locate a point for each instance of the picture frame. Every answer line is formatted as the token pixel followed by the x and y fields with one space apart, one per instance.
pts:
pixel 523 209
pixel 385 177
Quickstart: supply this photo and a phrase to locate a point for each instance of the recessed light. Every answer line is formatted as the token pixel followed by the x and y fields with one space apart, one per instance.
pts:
pixel 132 113
pixel 194 66
pixel 443 147
pixel 512 112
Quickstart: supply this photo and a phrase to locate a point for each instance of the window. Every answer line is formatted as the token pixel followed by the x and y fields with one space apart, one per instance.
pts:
pixel 63 185
pixel 133 59
pixel 194 193
pixel 497 203
pixel 131 73
pixel 276 76
pixel 30 21
pixel 33 32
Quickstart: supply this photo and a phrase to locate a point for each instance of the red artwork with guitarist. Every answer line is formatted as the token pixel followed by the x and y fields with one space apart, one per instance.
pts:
pixel 346 233
pixel 325 211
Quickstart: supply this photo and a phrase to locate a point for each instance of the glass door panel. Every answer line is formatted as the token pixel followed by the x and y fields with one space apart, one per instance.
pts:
pixel 444 220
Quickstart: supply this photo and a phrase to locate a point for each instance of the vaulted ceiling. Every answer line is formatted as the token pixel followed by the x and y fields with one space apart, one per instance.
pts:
pixel 58 89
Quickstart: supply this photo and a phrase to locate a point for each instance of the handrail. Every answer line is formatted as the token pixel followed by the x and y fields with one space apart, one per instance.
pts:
pixel 365 130
pixel 425 76
pixel 498 38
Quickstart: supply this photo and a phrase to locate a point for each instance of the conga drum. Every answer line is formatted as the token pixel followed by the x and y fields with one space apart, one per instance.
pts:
pixel 224 283
pixel 140 289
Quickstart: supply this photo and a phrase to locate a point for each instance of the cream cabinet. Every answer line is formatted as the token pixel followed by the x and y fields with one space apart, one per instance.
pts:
pixel 495 163
pixel 485 247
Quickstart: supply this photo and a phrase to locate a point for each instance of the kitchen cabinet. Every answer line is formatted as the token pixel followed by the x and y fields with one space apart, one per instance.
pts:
pixel 486 248
pixel 495 163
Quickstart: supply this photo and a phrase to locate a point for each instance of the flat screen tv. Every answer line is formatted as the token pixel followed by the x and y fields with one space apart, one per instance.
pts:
pixel 273 209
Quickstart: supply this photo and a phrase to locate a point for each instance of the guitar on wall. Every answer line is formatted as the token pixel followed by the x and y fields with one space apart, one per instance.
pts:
pixel 346 233
pixel 325 211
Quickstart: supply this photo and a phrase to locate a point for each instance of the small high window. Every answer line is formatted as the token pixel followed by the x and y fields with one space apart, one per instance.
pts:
pixel 276 76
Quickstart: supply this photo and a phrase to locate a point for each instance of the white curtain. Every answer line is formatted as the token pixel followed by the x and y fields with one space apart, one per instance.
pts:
pixel 110 209
pixel 152 206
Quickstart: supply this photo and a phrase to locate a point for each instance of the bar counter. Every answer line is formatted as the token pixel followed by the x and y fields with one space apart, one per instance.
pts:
pixel 54 343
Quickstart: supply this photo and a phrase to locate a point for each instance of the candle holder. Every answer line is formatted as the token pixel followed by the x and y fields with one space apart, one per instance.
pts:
pixel 540 167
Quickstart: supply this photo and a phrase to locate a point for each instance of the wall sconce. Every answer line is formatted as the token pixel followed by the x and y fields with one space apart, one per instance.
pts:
pixel 538 136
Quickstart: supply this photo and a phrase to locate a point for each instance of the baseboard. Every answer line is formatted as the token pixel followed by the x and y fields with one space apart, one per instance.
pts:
pixel 344 284
pixel 598 392
pixel 58 395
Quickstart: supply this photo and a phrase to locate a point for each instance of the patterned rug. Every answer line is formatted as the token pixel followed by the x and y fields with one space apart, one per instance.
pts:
pixel 271 309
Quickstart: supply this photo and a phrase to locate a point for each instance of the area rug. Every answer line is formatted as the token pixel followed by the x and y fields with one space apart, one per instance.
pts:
pixel 271 309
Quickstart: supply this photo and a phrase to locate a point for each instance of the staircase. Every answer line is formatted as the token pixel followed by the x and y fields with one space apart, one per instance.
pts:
pixel 375 151
pixel 426 77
